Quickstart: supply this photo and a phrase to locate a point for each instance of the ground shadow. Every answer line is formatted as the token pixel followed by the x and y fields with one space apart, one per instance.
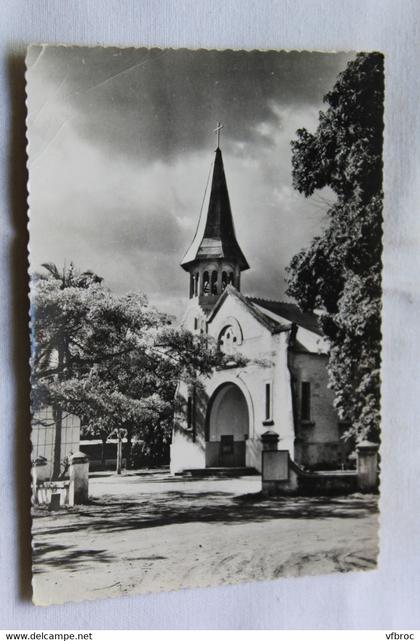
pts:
pixel 46 556
pixel 113 514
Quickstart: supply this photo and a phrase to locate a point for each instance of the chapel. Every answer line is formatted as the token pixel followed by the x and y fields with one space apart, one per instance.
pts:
pixel 282 388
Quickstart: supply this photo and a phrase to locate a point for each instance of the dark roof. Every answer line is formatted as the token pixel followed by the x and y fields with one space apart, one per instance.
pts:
pixel 290 312
pixel 272 325
pixel 219 239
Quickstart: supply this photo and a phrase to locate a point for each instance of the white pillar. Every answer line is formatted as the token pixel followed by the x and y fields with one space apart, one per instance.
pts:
pixel 40 473
pixel 367 466
pixel 79 479
pixel 270 441
pixel 200 281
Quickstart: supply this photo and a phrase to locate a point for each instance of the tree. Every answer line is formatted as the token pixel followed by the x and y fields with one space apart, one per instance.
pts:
pixel 340 272
pixel 114 361
pixel 53 339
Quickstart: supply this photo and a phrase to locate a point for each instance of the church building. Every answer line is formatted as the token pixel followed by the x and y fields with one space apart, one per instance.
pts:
pixel 283 386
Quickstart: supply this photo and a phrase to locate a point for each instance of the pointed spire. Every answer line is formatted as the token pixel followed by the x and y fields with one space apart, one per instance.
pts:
pixel 219 239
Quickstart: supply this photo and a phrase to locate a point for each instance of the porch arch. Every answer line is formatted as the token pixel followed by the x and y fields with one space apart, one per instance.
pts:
pixel 212 391
pixel 227 426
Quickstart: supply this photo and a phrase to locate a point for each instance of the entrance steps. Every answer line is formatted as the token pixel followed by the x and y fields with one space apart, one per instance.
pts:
pixel 227 472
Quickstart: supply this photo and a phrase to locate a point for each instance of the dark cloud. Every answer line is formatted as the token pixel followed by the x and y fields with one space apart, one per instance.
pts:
pixel 120 147
pixel 159 103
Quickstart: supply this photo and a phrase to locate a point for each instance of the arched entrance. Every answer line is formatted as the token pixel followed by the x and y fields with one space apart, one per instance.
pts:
pixel 227 427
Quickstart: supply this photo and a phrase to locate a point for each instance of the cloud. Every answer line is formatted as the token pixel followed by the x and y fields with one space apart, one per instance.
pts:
pixel 120 151
pixel 155 103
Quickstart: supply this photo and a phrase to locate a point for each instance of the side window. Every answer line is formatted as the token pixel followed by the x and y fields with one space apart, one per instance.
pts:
pixel 305 401
pixel 191 413
pixel 268 400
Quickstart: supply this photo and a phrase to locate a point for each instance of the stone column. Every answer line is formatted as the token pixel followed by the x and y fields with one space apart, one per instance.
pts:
pixel 219 278
pixel 270 441
pixel 79 479
pixel 40 473
pixel 278 478
pixel 367 466
pixel 201 281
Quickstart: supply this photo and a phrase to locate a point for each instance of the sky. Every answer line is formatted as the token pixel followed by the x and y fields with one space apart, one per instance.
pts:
pixel 121 143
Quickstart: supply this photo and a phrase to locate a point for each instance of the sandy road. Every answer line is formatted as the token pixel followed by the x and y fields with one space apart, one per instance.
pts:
pixel 150 533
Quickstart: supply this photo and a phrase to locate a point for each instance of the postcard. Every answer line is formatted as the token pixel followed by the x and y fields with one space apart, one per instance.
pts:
pixel 206 263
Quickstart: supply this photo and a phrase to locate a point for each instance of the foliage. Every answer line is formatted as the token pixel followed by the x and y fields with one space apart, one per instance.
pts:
pixel 340 273
pixel 112 360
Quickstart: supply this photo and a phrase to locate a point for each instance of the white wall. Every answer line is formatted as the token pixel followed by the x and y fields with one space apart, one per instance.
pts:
pixel 268 363
pixel 43 437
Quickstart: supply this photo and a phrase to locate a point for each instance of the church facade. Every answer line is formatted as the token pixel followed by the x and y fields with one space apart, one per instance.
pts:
pixel 280 385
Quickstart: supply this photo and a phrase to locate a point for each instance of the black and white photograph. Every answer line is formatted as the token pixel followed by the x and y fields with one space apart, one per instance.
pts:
pixel 206 284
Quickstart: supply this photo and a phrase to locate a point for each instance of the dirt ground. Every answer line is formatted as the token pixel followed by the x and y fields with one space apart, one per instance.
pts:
pixel 151 532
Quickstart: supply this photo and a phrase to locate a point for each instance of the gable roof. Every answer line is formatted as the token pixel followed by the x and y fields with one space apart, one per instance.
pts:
pixel 290 312
pixel 274 326
pixel 218 239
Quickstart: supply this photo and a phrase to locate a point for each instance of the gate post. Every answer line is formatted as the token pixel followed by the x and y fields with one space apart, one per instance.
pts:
pixel 40 473
pixel 270 441
pixel 367 466
pixel 79 478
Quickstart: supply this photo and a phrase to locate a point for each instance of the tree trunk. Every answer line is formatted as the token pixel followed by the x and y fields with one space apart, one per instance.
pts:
pixel 104 439
pixel 119 453
pixel 129 449
pixel 58 420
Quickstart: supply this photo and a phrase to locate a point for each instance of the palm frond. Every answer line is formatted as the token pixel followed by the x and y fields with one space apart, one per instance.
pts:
pixel 52 269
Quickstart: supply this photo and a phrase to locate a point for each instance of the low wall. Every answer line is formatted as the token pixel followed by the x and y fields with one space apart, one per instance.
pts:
pixel 326 483
pixel 96 465
pixel 103 457
pixel 45 490
pixel 56 494
pixel 281 476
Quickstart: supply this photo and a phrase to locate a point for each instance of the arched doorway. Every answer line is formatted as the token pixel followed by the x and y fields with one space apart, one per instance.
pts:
pixel 227 427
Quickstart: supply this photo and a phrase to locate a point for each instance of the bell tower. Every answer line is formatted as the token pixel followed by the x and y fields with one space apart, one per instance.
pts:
pixel 214 259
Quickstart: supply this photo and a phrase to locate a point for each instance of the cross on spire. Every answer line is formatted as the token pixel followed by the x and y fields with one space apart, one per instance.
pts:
pixel 218 129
